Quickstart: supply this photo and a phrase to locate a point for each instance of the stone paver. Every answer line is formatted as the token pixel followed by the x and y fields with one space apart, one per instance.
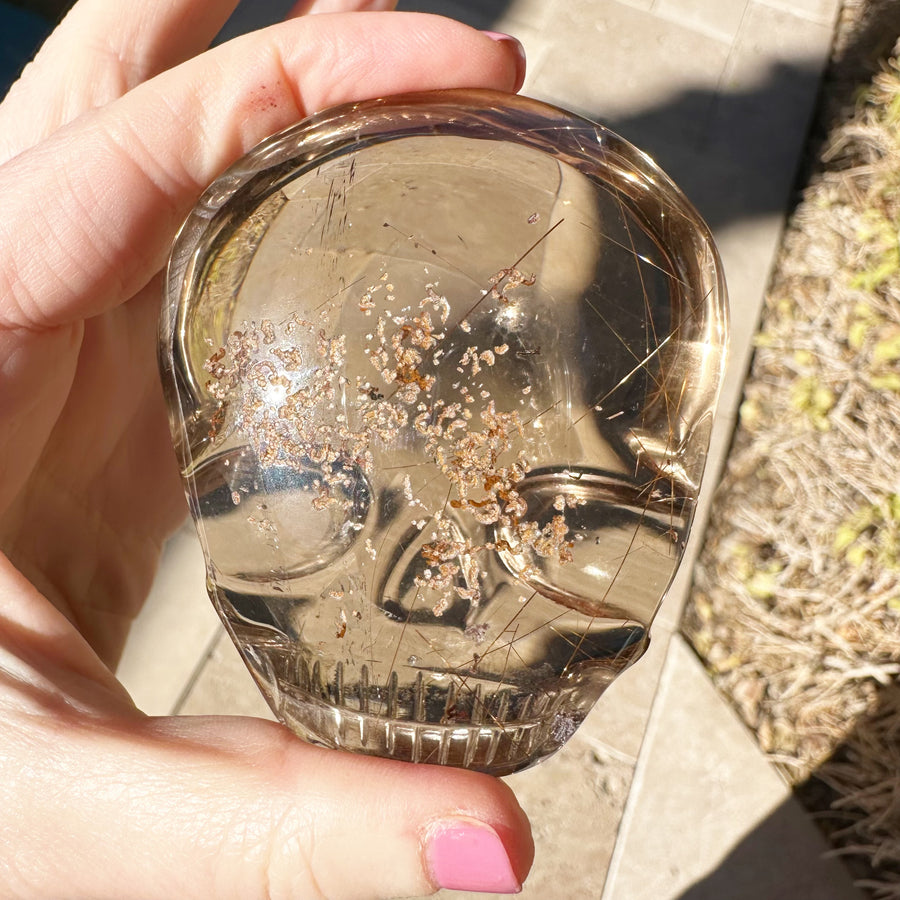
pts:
pixel 221 686
pixel 173 631
pixel 699 782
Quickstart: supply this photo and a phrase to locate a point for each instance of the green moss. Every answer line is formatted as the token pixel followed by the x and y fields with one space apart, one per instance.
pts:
pixel 863 322
pixel 887 350
pixel 890 381
pixel 761 585
pixel 814 399
pixel 750 413
pixel 879 234
pixel 871 534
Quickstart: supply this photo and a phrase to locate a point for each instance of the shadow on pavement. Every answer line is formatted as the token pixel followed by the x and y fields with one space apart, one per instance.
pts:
pixel 768 864
pixel 480 14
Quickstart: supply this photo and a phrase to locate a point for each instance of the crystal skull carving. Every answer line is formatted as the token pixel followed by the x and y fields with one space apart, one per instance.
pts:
pixel 441 371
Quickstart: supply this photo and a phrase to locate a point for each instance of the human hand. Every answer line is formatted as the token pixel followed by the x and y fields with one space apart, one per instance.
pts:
pixel 105 144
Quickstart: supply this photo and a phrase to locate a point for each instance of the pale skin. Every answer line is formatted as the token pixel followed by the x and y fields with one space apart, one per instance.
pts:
pixel 105 144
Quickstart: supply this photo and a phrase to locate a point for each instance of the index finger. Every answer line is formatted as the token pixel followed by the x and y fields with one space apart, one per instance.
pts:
pixel 86 218
pixel 103 49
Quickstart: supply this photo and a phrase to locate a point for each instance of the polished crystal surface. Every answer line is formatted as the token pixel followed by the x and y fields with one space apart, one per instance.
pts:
pixel 441 372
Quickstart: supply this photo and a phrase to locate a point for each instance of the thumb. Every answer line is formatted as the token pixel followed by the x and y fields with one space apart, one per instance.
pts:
pixel 238 808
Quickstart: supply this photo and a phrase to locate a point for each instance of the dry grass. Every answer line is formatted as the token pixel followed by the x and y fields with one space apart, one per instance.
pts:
pixel 796 609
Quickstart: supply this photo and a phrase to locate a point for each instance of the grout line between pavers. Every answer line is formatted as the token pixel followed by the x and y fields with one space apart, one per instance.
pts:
pixel 827 20
pixel 697 27
pixel 197 671
pixel 727 66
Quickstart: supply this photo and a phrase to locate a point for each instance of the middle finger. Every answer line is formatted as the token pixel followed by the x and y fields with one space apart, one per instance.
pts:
pixel 103 48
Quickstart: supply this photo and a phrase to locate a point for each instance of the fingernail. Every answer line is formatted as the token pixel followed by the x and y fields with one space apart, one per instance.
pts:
pixel 517 48
pixel 467 855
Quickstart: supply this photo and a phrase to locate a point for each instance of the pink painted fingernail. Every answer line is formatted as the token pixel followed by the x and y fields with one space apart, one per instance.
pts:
pixel 515 45
pixel 467 855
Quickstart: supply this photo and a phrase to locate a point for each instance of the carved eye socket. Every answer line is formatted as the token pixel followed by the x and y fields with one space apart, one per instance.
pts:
pixel 279 521
pixel 618 556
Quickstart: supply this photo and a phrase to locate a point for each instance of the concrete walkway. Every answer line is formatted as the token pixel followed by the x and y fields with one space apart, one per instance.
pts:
pixel 661 794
